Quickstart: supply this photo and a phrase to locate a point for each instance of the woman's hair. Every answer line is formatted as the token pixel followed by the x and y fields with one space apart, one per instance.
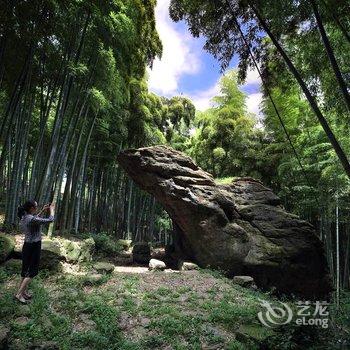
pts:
pixel 24 209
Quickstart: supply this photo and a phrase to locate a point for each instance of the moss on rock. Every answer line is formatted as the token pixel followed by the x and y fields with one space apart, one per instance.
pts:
pixel 13 266
pixel 253 332
pixel 104 267
pixel 51 255
pixel 7 245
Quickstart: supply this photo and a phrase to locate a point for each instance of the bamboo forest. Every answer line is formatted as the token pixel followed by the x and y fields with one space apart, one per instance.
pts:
pixel 174 174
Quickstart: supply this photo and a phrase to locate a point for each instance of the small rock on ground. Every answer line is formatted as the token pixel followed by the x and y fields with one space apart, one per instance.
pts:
pixel 187 266
pixel 155 264
pixel 244 281
pixel 22 320
pixel 92 279
pixel 104 267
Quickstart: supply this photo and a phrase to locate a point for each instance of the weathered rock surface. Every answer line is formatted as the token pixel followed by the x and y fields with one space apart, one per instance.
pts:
pixel 240 228
pixel 124 258
pixel 158 253
pixel 54 251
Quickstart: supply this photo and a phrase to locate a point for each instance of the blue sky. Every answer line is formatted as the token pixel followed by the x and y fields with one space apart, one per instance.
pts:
pixel 186 69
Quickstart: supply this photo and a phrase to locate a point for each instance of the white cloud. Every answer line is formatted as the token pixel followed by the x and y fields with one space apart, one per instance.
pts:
pixel 253 77
pixel 253 102
pixel 179 54
pixel 202 99
pixel 182 56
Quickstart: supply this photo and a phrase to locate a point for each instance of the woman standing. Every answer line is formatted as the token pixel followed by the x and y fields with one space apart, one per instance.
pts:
pixel 30 226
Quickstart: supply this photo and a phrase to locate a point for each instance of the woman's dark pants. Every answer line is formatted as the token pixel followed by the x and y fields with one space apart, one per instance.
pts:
pixel 30 259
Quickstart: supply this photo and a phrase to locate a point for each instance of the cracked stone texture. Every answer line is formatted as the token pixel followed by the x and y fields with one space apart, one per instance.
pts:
pixel 240 228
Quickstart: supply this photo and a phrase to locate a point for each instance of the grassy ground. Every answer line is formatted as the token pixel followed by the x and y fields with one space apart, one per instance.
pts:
pixel 129 311
pixel 136 309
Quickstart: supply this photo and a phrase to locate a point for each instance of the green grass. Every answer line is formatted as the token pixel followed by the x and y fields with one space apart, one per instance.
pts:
pixel 224 180
pixel 176 314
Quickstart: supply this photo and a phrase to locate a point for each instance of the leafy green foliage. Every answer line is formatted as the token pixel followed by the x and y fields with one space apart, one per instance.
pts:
pixel 223 142
pixel 311 190
pixel 105 244
pixel 294 26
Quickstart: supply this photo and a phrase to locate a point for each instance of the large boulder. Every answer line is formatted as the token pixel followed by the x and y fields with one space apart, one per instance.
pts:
pixel 7 245
pixel 240 228
pixel 62 249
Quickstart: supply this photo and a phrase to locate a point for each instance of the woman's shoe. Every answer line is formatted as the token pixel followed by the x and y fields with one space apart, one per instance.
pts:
pixel 21 299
